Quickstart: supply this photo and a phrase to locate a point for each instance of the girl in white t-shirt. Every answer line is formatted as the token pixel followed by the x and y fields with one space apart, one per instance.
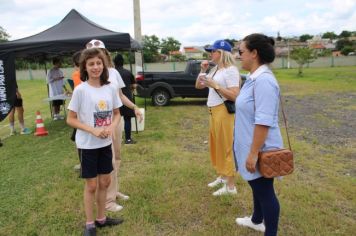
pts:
pixel 94 112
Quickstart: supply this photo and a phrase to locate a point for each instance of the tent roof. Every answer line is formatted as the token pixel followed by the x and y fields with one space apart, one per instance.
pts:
pixel 69 35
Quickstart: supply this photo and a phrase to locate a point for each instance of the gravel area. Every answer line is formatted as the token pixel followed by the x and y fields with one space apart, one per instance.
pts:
pixel 328 119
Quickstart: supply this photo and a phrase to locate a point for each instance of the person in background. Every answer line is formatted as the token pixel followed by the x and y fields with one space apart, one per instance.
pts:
pixel 130 85
pixel 18 107
pixel 76 82
pixel 55 80
pixel 256 129
pixel 222 80
pixel 76 72
pixel 115 81
pixel 94 112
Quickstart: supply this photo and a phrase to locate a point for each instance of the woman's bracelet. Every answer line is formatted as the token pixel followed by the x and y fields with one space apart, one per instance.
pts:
pixel 134 107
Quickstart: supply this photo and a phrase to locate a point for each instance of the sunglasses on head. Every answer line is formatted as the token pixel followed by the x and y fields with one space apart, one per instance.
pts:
pixel 93 44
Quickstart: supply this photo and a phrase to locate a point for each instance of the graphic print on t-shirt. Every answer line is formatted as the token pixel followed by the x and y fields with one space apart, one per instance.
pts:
pixel 102 116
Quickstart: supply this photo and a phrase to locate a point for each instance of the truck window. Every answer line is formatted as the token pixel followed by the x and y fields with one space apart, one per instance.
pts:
pixel 195 68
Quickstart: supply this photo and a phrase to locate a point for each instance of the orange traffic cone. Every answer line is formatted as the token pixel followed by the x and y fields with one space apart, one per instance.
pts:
pixel 40 129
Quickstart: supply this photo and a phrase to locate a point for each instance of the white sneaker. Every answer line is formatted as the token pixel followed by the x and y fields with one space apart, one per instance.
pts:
pixel 247 222
pixel 216 182
pixel 114 208
pixel 225 190
pixel 55 117
pixel 122 196
pixel 77 167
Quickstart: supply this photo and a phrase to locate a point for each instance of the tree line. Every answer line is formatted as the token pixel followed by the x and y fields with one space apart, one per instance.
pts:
pixel 155 49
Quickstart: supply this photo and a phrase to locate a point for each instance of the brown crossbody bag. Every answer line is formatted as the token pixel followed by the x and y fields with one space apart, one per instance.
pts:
pixel 276 162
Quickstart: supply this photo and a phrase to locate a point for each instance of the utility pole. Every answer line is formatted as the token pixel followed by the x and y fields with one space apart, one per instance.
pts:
pixel 288 60
pixel 138 34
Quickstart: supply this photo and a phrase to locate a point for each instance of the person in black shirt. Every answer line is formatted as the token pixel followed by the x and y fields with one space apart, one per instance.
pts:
pixel 130 84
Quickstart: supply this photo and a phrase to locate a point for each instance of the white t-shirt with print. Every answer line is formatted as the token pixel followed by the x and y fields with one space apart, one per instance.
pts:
pixel 94 107
pixel 226 78
pixel 115 79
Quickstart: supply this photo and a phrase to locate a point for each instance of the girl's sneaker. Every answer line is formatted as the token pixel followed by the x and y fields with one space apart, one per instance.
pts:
pixel 26 131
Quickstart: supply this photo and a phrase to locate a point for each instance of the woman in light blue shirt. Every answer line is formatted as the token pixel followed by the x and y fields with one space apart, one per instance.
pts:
pixel 256 129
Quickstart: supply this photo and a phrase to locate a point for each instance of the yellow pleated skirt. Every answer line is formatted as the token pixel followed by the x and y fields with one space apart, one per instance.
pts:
pixel 221 131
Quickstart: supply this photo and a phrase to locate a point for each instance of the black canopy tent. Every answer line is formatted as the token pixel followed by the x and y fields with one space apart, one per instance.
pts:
pixel 69 35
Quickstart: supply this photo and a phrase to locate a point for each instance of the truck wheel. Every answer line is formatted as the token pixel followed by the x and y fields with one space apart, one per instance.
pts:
pixel 160 97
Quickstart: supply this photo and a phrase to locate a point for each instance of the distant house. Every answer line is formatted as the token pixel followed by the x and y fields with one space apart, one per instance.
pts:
pixel 283 47
pixel 193 52
pixel 337 53
pixel 318 47
pixel 174 54
pixel 320 44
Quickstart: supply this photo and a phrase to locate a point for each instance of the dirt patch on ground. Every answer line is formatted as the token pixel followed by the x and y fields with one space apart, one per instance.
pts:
pixel 326 119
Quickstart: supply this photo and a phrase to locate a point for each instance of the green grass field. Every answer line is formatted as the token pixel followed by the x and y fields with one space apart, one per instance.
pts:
pixel 167 171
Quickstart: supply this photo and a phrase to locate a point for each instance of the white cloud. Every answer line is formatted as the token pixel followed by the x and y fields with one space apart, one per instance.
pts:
pixel 195 22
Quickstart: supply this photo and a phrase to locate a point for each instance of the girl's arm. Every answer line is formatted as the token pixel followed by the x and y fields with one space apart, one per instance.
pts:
pixel 72 120
pixel 114 124
pixel 131 105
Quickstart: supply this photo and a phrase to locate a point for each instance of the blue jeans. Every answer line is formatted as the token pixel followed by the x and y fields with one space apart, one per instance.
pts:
pixel 265 205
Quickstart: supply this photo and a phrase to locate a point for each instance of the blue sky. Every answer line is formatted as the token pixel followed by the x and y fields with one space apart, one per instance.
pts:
pixel 192 22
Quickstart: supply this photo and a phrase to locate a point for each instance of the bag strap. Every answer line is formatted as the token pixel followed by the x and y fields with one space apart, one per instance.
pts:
pixel 216 91
pixel 284 115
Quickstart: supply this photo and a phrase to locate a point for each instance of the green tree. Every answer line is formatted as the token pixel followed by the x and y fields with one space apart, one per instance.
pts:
pixel 345 34
pixel 341 43
pixel 303 56
pixel 305 37
pixel 326 53
pixel 169 45
pixel 4 36
pixel 329 35
pixel 151 45
pixel 346 50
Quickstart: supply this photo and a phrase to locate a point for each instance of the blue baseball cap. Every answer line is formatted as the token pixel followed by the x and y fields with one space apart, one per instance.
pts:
pixel 219 44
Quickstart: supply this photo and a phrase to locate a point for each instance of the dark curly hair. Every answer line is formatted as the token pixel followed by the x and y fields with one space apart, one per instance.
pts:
pixel 264 46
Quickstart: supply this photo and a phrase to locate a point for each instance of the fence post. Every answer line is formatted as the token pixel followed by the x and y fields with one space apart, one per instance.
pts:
pixel 145 66
pixel 30 72
pixel 282 62
pixel 332 61
pixel 174 66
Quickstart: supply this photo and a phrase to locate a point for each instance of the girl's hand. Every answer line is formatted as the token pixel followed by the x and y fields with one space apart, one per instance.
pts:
pixel 110 131
pixel 138 114
pixel 99 132
pixel 251 162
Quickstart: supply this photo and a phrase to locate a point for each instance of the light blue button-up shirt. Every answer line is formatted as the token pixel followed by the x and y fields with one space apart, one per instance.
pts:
pixel 257 104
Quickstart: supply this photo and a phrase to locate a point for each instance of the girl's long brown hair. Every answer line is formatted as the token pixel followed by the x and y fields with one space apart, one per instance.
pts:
pixel 88 54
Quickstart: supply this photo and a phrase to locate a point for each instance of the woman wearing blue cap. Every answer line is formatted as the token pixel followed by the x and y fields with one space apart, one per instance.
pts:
pixel 223 83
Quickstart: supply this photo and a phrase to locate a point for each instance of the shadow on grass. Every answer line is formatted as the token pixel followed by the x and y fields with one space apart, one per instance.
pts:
pixel 187 102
